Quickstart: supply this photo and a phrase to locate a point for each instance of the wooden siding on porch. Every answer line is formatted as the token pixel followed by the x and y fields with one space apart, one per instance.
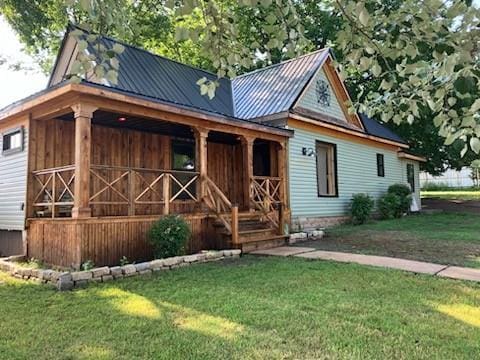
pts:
pixel 70 242
pixel 52 146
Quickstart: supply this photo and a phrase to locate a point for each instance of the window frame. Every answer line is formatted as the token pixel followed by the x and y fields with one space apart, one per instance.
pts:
pixel 412 184
pixel 333 173
pixel 380 165
pixel 192 188
pixel 9 133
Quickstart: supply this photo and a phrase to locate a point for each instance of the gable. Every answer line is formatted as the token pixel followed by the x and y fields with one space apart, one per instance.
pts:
pixel 274 89
pixel 320 97
pixel 325 98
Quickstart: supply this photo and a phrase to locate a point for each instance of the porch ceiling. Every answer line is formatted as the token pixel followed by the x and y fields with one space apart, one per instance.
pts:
pixel 111 119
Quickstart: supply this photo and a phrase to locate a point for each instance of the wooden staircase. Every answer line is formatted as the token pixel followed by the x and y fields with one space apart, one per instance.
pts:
pixel 254 233
pixel 251 230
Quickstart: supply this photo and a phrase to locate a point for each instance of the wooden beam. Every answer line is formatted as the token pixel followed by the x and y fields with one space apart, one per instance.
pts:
pixel 201 158
pixel 83 138
pixel 282 171
pixel 247 150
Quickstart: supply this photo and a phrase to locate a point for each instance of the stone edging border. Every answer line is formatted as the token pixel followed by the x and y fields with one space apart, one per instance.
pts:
pixel 65 280
pixel 305 236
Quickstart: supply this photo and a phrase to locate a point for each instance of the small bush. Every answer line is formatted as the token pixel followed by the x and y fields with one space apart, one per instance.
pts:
pixel 404 193
pixel 169 236
pixel 361 208
pixel 88 265
pixel 388 206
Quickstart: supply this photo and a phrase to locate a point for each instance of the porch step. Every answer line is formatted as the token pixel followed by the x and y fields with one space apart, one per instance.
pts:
pixel 261 243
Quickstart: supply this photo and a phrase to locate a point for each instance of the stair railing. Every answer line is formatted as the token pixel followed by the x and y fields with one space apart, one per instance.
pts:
pixel 221 206
pixel 265 196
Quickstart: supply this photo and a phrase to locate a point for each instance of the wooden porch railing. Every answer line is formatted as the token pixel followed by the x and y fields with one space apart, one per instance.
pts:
pixel 266 197
pixel 110 185
pixel 55 195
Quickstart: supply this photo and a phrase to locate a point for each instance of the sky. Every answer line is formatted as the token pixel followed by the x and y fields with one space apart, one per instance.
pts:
pixel 16 85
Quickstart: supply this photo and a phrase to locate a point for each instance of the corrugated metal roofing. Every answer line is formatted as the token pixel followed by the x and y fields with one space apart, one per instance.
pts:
pixel 373 127
pixel 144 73
pixel 274 89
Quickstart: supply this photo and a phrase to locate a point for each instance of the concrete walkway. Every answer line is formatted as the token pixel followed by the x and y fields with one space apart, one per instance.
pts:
pixel 419 267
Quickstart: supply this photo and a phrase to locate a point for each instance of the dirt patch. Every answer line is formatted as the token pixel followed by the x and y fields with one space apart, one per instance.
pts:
pixel 400 244
pixel 470 206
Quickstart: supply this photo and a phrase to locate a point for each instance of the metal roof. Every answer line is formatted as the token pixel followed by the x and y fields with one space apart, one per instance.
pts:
pixel 375 128
pixel 274 89
pixel 152 75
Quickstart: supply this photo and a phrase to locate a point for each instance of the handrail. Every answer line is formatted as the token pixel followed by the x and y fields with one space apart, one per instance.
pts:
pixel 266 196
pixel 125 168
pixel 216 201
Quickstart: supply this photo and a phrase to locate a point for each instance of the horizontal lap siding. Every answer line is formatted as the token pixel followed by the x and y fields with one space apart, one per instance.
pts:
pixel 13 187
pixel 356 169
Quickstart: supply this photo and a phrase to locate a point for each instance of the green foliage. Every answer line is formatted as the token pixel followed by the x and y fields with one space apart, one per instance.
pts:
pixel 124 261
pixel 438 186
pixel 428 61
pixel 404 69
pixel 169 236
pixel 361 208
pixel 404 193
pixel 88 265
pixel 388 205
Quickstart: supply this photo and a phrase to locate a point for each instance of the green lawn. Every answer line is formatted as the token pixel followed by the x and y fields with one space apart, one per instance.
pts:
pixel 452 195
pixel 444 238
pixel 252 308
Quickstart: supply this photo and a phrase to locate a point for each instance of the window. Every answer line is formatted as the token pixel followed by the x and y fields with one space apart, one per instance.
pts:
pixel 380 165
pixel 411 176
pixel 183 159
pixel 12 141
pixel 326 169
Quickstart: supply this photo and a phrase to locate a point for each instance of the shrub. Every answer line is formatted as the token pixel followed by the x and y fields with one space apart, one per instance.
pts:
pixel 361 208
pixel 169 236
pixel 404 193
pixel 389 205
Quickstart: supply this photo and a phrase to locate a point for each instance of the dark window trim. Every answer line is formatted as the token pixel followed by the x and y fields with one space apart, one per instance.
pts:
pixel 16 150
pixel 381 165
pixel 335 172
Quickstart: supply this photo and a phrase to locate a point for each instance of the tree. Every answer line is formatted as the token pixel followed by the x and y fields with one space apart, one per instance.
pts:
pixel 402 55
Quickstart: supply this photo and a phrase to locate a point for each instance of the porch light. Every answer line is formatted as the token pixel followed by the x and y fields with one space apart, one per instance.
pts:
pixel 122 119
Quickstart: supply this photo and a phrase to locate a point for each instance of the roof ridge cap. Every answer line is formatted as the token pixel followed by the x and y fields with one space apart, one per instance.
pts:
pixel 282 63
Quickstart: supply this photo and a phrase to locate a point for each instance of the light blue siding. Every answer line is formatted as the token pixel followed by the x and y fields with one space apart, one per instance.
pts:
pixel 13 187
pixel 356 170
pixel 309 99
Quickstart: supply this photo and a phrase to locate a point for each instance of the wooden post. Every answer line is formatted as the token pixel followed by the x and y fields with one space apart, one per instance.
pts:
pixel 282 173
pixel 201 158
pixel 166 193
pixel 235 224
pixel 281 219
pixel 131 193
pixel 83 138
pixel 247 145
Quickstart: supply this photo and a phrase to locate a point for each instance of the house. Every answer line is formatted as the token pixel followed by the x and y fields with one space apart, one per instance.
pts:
pixel 87 168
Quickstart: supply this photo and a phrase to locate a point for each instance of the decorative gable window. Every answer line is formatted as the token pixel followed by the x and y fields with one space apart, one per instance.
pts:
pixel 12 141
pixel 326 169
pixel 411 176
pixel 380 165
pixel 323 92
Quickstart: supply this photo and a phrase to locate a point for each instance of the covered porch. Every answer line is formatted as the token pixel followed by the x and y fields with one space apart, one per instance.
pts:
pixel 103 168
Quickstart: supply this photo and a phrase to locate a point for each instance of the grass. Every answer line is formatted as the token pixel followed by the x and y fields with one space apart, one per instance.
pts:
pixel 444 238
pixel 253 308
pixel 451 195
